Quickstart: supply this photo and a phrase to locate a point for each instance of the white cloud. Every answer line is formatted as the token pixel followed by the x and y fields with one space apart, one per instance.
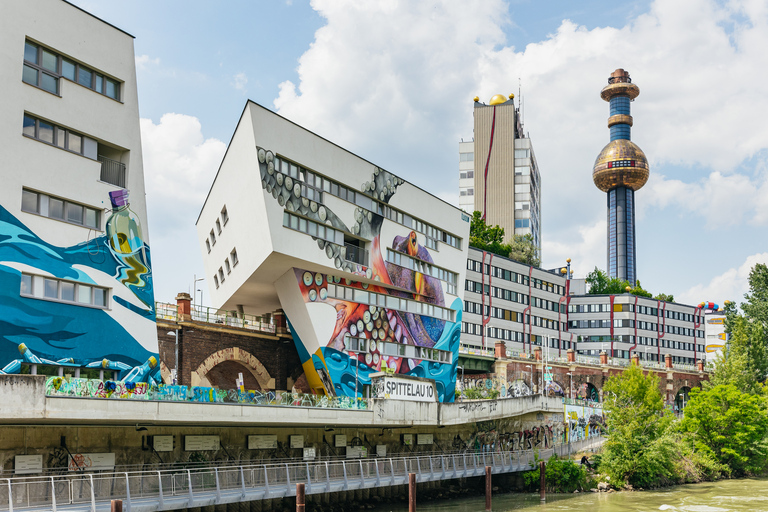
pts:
pixel 585 245
pixel 144 61
pixel 730 285
pixel 179 167
pixel 239 81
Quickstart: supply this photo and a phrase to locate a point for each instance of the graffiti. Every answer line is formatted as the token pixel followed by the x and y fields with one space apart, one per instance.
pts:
pixel 583 419
pixel 468 407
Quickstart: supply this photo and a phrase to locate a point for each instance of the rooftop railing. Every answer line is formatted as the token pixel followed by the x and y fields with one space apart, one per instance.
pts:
pixel 208 315
pixel 112 171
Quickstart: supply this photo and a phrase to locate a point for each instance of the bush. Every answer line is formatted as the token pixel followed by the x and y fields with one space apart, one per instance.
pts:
pixel 563 475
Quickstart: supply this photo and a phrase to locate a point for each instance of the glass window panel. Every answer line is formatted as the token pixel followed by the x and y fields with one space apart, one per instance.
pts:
pixel 99 83
pixel 113 89
pixel 313 229
pixel 68 69
pixel 51 289
pixel 56 208
pixel 74 213
pixel 45 131
pixel 30 52
pixel 26 284
pixel 91 218
pixel 303 225
pixel 294 222
pixel 50 61
pixel 68 291
pixel 100 297
pixel 83 294
pixel 61 137
pixel 50 83
pixel 29 75
pixel 75 143
pixel 84 76
pixel 29 201
pixel 29 126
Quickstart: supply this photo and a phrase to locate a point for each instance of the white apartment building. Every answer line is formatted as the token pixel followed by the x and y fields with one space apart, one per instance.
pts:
pixel 366 267
pixel 467 176
pixel 75 273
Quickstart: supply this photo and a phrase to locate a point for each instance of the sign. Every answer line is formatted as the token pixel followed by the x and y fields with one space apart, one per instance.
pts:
pixel 201 443
pixel 398 388
pixel 92 462
pixel 716 321
pixel 547 377
pixel 356 452
pixel 381 450
pixel 264 442
pixel 296 441
pixel 407 439
pixel 309 454
pixel 424 439
pixel 27 464
pixel 339 440
pixel 162 443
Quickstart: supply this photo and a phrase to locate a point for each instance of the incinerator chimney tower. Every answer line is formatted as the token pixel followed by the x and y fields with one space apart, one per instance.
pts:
pixel 620 169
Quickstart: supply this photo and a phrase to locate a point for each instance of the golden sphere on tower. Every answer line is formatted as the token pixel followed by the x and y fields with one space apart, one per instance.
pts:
pixel 628 288
pixel 620 163
pixel 497 99
pixel 563 270
pixel 511 96
pixel 568 260
pixel 477 98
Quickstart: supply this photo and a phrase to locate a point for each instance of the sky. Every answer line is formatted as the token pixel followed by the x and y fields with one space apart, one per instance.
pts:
pixel 393 82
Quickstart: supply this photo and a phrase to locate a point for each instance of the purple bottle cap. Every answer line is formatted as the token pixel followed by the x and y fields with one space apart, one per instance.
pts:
pixel 119 198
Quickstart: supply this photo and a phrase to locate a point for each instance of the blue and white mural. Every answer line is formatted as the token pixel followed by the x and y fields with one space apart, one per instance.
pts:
pixel 55 330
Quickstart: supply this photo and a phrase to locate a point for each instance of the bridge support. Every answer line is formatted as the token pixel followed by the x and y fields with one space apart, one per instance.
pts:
pixel 411 492
pixel 542 481
pixel 300 497
pixel 488 487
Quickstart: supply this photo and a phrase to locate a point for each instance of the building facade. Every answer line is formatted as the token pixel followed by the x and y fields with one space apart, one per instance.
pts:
pixel 366 267
pixel 526 307
pixel 75 277
pixel 507 185
pixel 620 169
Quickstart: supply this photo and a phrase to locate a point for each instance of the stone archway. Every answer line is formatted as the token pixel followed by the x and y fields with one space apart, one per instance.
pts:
pixel 200 377
pixel 588 391
pixel 681 399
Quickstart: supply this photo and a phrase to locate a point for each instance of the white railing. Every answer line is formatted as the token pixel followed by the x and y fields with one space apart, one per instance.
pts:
pixel 214 316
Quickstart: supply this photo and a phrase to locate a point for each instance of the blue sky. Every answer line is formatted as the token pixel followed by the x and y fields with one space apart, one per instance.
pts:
pixel 393 81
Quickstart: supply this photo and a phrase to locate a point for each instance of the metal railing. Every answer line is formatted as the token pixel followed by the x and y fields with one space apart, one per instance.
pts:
pixel 355 254
pixel 163 489
pixel 477 351
pixel 215 316
pixel 112 171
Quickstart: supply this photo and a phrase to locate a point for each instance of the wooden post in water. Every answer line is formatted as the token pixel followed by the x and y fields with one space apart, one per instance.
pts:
pixel 542 481
pixel 411 492
pixel 300 497
pixel 117 506
pixel 488 488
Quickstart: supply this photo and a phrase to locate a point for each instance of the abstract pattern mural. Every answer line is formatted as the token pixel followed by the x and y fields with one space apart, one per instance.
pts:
pixel 381 320
pixel 63 330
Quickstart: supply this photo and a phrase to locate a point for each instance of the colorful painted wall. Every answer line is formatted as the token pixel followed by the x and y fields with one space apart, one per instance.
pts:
pixel 53 330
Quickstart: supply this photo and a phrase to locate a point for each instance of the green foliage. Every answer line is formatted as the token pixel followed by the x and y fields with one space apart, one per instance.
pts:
pixel 756 307
pixel 665 297
pixel 637 452
pixel 478 394
pixel 744 362
pixel 523 249
pixel 491 239
pixel 562 475
pixel 600 284
pixel 730 426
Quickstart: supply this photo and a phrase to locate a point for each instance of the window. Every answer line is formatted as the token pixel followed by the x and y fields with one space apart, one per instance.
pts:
pixel 216 280
pixel 466 157
pixel 208 244
pixel 311 227
pixel 60 209
pixel 44 67
pixel 233 257
pixel 213 238
pixel 226 265
pixel 221 274
pixel 224 216
pixel 60 137
pixel 48 288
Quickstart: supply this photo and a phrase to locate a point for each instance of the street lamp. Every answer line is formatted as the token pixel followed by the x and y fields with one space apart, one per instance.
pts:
pixel 194 287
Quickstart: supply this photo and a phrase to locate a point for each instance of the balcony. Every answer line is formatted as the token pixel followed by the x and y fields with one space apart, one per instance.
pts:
pixel 355 254
pixel 112 171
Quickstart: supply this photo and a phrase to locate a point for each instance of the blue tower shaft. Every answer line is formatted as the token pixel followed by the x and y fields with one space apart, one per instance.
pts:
pixel 620 106
pixel 621 234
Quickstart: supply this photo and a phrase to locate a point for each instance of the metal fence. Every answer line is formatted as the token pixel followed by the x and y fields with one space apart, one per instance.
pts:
pixel 205 314
pixel 193 487
pixel 112 171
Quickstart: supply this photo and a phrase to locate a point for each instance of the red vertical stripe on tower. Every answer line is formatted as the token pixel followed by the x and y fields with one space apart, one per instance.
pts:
pixel 488 162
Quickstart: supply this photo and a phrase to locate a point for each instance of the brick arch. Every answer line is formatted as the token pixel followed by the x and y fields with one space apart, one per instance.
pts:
pixel 237 355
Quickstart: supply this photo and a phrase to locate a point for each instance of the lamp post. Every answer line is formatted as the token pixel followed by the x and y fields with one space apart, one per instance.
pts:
pixel 194 287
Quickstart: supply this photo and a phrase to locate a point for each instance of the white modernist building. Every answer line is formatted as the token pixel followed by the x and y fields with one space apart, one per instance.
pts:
pixel 75 278
pixel 366 267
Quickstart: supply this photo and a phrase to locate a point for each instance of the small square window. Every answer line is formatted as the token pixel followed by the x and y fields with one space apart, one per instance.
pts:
pixel 216 281
pixel 213 238
pixel 30 52
pixel 226 265
pixel 208 245
pixel 26 284
pixel 51 289
pixel 29 201
pixel 68 69
pixel 68 291
pixel 84 76
pixel 218 226
pixel 100 297
pixel 224 216
pixel 233 257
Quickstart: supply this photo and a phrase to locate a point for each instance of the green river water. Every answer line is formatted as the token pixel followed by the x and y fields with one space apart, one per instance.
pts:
pixel 727 495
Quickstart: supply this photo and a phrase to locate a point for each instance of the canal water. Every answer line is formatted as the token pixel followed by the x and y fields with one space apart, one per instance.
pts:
pixel 746 495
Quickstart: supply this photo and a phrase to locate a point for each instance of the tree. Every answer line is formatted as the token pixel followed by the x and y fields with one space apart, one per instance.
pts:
pixel 523 249
pixel 637 451
pixel 729 425
pixel 665 297
pixel 600 284
pixel 756 307
pixel 487 238
pixel 744 361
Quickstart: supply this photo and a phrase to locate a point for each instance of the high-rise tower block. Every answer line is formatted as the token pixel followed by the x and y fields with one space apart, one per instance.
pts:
pixel 621 169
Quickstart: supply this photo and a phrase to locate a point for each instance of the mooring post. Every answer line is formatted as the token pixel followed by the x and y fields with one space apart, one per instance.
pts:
pixel 300 497
pixel 411 492
pixel 117 506
pixel 488 488
pixel 542 481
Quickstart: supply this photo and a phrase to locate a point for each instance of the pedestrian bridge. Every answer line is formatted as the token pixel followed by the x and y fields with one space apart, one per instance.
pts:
pixel 180 488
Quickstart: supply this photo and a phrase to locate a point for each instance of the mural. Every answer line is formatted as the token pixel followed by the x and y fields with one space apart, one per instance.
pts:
pixel 57 332
pixel 331 368
pixel 583 419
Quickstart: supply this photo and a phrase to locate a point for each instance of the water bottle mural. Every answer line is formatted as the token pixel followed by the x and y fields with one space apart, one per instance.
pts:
pixel 398 327
pixel 62 329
